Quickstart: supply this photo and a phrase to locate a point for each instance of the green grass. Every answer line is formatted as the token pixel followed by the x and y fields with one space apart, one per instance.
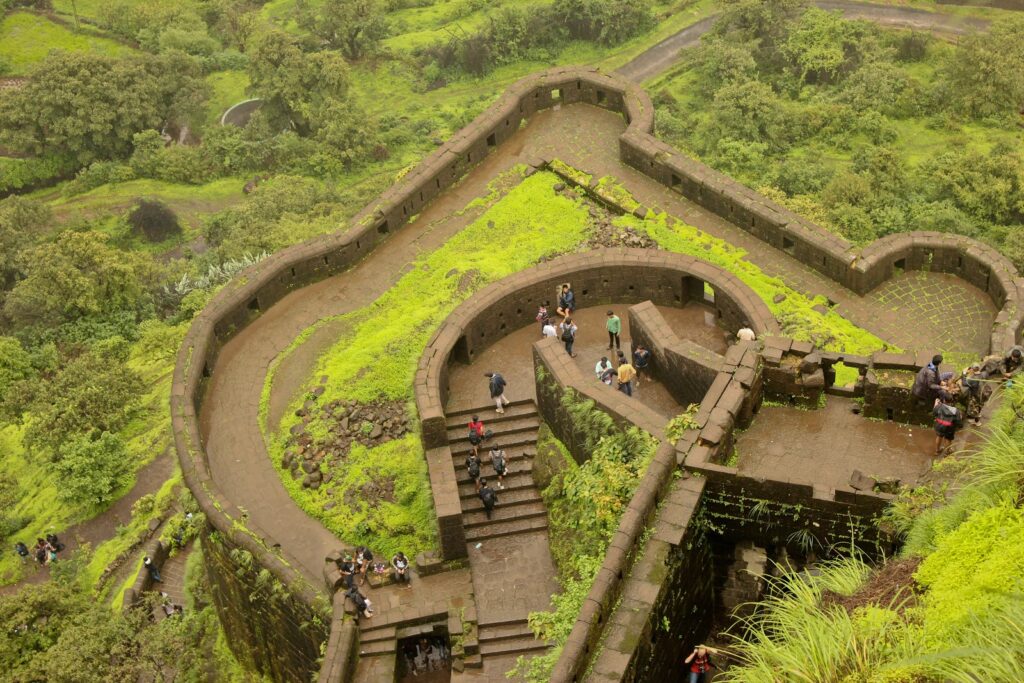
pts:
pixel 228 89
pixel 376 356
pixel 25 39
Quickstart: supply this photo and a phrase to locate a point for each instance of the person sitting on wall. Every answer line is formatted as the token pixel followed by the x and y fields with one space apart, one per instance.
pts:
pixel 928 383
pixel 566 301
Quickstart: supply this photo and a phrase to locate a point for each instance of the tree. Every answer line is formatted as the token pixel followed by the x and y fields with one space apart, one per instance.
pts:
pixel 748 111
pixel 90 468
pixel 93 393
pixel 985 74
pixel 154 220
pixel 78 276
pixel 986 186
pixel 296 87
pixel 821 44
pixel 22 221
pixel 605 21
pixel 88 105
pixel 355 27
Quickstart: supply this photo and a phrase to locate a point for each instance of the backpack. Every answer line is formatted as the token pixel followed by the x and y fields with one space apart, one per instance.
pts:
pixel 567 335
pixel 498 460
pixel 473 466
pixel 488 497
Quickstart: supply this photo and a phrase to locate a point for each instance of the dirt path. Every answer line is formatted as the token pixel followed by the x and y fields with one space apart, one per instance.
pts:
pixel 659 58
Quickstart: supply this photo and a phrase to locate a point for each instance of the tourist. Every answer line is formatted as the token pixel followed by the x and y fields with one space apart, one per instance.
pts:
pixel 542 316
pixel 1012 362
pixel 604 370
pixel 566 301
pixel 948 419
pixel 39 551
pixel 54 542
pixel 568 329
pixel 700 663
pixel 496 384
pixel 473 469
pixel 500 464
pixel 746 334
pixel 364 559
pixel 477 434
pixel 614 327
pixel 400 563
pixel 22 551
pixel 363 605
pixel 928 383
pixel 626 374
pixel 488 497
pixel 348 570
pixel 151 568
pixel 641 359
pixel 548 329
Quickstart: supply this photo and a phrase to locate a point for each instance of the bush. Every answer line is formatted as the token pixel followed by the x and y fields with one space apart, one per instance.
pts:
pixel 90 470
pixel 155 220
pixel 97 174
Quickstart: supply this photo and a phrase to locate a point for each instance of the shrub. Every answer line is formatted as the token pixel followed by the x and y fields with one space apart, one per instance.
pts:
pixel 89 470
pixel 155 220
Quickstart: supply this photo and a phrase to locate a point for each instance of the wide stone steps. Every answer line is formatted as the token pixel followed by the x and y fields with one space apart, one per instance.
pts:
pixel 502 512
pixel 516 460
pixel 518 480
pixel 377 648
pixel 520 425
pixel 507 498
pixel 508 526
pixel 520 443
pixel 367 636
pixel 508 637
pixel 460 416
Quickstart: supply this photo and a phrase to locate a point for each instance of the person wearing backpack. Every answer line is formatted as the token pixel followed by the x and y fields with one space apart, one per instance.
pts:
pixel 568 329
pixel 477 434
pixel 22 551
pixel 488 497
pixel 473 469
pixel 496 384
pixel 542 316
pixel 948 419
pixel 500 465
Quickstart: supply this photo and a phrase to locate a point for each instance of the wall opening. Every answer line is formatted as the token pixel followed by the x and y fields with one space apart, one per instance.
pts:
pixel 326 261
pixel 900 264
pixel 601 97
pixel 254 304
pixel 788 245
pixel 677 183
pixel 382 228
pixel 492 140
pixel 293 271
pixel 556 95
pixel 426 656
pixel 709 293
pixel 460 351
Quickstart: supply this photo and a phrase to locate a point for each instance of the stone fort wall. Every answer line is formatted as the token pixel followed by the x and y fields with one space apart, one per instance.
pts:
pixel 264 284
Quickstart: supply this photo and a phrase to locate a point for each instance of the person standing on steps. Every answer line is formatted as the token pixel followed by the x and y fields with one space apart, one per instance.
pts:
pixel 566 301
pixel 348 571
pixel 614 327
pixel 500 464
pixel 569 329
pixel 604 370
pixel 488 497
pixel 473 469
pixel 626 375
pixel 497 385
pixel 948 419
pixel 477 434
pixel 641 359
pixel 154 573
pixel 548 329
pixel 700 663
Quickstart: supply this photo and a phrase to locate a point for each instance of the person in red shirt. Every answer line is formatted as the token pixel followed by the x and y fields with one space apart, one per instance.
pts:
pixel 476 434
pixel 700 664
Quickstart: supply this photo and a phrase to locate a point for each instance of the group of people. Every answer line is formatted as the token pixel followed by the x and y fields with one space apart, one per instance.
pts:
pixel 356 565
pixel 951 396
pixel 427 654
pixel 625 373
pixel 567 329
pixel 45 551
pixel 497 457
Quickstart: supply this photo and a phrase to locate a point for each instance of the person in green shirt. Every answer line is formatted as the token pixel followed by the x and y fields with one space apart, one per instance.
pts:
pixel 614 326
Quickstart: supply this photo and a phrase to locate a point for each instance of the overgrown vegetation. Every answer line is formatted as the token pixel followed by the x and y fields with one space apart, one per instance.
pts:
pixel 584 503
pixel 959 615
pixel 866 131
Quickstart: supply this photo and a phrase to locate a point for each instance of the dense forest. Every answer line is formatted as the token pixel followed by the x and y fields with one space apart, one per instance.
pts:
pixel 123 212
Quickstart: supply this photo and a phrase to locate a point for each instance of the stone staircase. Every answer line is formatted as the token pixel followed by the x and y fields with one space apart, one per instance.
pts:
pixel 520 508
pixel 511 636
pixel 173 575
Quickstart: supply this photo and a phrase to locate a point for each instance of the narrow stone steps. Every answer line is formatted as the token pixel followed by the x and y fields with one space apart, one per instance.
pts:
pixel 506 527
pixel 506 497
pixel 496 423
pixel 460 415
pixel 377 648
pixel 512 646
pixel 514 458
pixel 501 513
pixel 496 632
pixel 524 442
pixel 460 435
pixel 517 480
pixel 377 635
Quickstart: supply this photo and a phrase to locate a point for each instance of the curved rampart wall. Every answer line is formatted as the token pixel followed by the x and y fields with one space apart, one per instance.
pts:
pixel 262 285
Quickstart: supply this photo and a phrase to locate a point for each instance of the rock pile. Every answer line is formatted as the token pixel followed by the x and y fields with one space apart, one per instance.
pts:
pixel 345 423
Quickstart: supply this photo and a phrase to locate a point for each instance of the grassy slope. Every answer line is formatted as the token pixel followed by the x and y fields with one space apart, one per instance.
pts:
pixel 227 88
pixel 26 39
pixel 377 357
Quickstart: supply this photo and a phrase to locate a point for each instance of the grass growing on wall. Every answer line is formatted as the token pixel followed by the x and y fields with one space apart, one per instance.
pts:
pixel 376 356
pixel 25 39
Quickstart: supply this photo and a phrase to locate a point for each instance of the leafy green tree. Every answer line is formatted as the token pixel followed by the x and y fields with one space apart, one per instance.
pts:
pixel 722 62
pixel 88 105
pixel 820 45
pixel 15 367
pixel 765 22
pixel 93 393
pixel 90 470
pixel 748 111
pixel 883 87
pixel 297 87
pixel 604 21
pixel 77 276
pixel 355 27
pixel 985 74
pixel 22 222
pixel 986 186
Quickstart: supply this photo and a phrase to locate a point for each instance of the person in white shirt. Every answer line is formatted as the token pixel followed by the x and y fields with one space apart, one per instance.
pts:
pixel 548 330
pixel 746 334
pixel 604 370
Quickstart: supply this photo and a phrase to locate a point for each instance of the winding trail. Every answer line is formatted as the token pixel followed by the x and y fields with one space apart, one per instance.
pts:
pixel 659 58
